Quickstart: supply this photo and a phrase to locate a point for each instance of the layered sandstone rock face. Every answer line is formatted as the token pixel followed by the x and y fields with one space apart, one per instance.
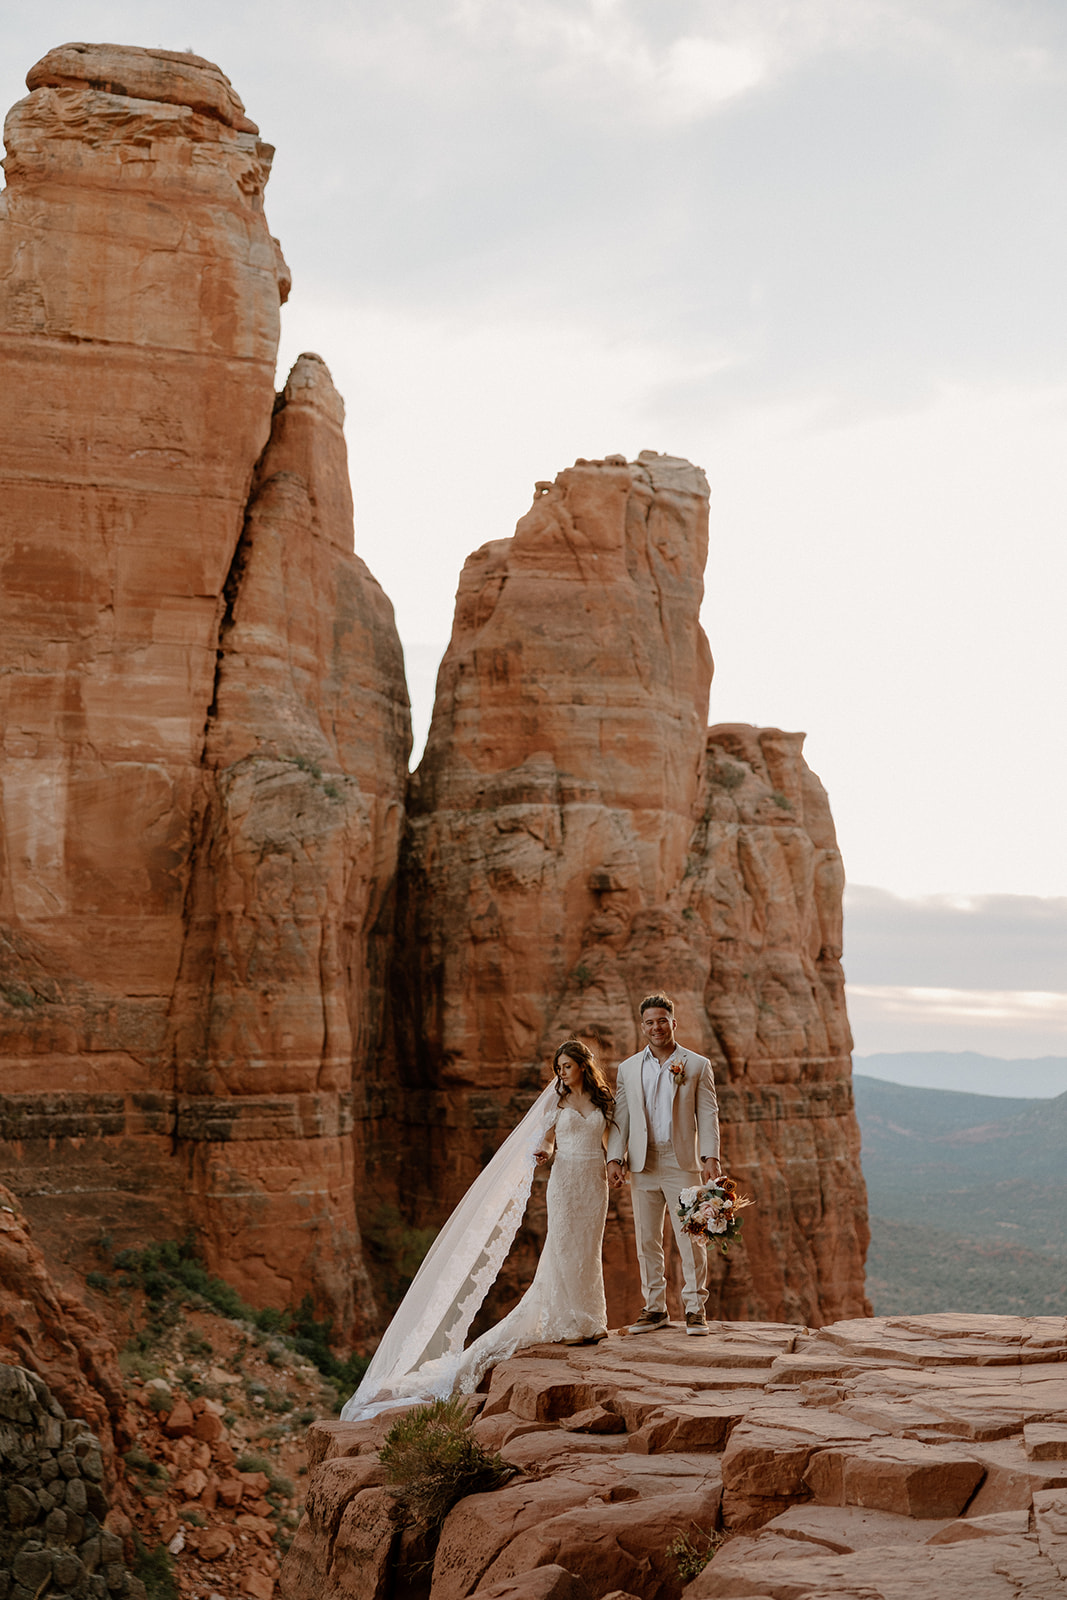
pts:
pixel 139 299
pixel 280 989
pixel 204 712
pixel 908 1458
pixel 578 838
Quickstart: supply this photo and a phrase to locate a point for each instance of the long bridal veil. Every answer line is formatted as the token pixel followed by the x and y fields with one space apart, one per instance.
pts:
pixel 421 1353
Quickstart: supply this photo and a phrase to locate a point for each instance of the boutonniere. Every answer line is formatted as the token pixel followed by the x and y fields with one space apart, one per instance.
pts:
pixel 677 1070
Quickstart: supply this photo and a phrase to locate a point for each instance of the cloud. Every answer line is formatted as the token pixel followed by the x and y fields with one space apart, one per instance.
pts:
pixel 856 195
pixel 1006 1023
pixel 944 948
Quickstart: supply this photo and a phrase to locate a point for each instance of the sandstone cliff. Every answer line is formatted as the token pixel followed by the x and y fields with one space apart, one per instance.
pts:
pixel 279 993
pixel 577 837
pixel 204 709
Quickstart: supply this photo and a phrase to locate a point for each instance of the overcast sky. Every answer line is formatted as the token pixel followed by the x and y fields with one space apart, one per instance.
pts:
pixel 818 248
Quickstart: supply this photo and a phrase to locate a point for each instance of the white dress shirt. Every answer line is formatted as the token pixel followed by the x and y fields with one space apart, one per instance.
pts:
pixel 658 1090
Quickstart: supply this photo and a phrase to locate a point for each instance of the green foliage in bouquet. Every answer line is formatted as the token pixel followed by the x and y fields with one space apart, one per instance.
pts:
pixel 431 1460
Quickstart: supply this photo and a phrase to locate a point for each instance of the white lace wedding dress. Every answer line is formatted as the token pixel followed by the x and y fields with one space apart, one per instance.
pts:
pixel 566 1298
pixel 421 1356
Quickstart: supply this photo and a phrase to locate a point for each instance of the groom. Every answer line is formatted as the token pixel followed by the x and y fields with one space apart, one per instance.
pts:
pixel 666 1122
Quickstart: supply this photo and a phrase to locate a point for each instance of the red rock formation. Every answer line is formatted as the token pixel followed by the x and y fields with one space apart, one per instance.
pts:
pixel 758 972
pixel 139 298
pixel 204 764
pixel 205 730
pixel 308 742
pixel 577 838
pixel 898 1457
pixel 48 1330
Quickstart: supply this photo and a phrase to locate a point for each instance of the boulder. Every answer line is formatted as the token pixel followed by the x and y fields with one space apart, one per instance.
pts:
pixel 594 1419
pixel 900 1475
pixel 842 1529
pixel 1046 1441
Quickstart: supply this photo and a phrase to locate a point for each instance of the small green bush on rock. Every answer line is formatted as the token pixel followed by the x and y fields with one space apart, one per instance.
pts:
pixel 431 1460
pixel 691 1556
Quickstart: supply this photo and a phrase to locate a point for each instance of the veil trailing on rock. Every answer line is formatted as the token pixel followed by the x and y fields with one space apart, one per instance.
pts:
pixel 421 1353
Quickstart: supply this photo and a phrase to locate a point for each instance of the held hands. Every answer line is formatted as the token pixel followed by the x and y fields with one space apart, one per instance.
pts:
pixel 542 1158
pixel 615 1174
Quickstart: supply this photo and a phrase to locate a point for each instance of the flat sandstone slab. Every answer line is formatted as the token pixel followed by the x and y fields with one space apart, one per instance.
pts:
pixel 830 1472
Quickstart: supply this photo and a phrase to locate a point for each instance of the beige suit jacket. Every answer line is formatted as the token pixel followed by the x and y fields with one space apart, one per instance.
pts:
pixel 694 1115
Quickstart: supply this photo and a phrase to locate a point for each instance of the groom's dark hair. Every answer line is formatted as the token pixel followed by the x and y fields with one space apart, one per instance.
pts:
pixel 651 1000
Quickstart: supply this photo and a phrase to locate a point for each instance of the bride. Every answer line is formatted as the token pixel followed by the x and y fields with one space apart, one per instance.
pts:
pixel 421 1356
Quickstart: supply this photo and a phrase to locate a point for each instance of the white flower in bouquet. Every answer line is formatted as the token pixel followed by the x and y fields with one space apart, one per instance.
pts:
pixel 688 1196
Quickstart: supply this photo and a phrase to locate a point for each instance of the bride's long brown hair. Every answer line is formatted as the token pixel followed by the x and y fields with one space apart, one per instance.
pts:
pixel 593 1081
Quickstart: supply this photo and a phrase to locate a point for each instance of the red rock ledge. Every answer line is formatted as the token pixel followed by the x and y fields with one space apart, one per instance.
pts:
pixel 902 1458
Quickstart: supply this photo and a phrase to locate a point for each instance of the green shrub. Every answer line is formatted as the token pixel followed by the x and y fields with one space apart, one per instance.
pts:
pixel 729 776
pixel 155 1570
pixel 16 995
pixel 98 1280
pixel 431 1460
pixel 692 1556
pixel 396 1248
pixel 136 1364
pixel 307 765
pixel 276 1483
pixel 171 1272
pixel 311 1339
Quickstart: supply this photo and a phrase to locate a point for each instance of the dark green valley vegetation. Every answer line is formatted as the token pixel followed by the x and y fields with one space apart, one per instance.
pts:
pixel 968 1200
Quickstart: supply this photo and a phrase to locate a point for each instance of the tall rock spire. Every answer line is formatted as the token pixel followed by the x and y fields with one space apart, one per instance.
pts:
pixel 577 838
pixel 205 717
pixel 280 994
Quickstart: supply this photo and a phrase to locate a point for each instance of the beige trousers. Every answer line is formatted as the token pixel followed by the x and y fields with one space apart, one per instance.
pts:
pixel 655 1189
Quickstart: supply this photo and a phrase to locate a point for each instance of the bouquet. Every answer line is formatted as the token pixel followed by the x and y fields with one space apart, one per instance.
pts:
pixel 709 1211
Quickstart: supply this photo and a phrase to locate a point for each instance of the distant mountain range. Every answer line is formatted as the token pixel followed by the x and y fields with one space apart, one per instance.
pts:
pixel 968 1199
pixel 1036 1077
